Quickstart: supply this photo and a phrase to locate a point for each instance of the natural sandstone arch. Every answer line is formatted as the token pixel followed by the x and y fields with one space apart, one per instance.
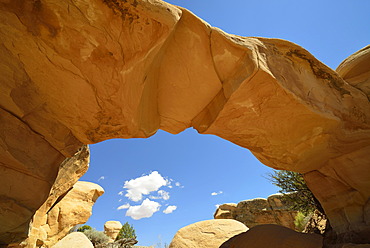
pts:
pixel 80 72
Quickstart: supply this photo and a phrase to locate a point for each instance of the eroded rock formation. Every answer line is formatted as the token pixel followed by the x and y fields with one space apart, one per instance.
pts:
pixel 75 207
pixel 112 228
pixel 258 211
pixel 70 170
pixel 207 234
pixel 80 72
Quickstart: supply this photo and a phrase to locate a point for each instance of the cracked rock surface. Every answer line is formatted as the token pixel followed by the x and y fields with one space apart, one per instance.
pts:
pixel 80 72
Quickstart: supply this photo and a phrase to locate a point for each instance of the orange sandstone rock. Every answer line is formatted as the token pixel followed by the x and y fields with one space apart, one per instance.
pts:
pixel 80 72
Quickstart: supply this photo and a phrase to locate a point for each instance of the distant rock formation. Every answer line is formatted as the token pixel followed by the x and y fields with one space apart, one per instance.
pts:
pixel 112 228
pixel 258 211
pixel 207 234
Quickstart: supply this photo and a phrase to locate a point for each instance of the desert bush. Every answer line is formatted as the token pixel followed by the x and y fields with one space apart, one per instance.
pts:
pixel 96 237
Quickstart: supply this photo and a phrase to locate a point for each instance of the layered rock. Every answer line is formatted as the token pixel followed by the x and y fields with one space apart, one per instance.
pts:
pixel 207 234
pixel 80 72
pixel 273 236
pixel 112 228
pixel 258 211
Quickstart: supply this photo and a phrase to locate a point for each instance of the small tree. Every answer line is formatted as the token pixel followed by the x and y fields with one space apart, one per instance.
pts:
pixel 127 232
pixel 84 228
pixel 295 191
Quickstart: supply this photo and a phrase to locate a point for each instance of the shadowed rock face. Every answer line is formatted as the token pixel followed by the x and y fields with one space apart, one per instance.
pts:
pixel 80 72
pixel 273 236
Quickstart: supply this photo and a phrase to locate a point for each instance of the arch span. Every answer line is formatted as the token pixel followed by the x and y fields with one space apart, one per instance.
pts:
pixel 80 72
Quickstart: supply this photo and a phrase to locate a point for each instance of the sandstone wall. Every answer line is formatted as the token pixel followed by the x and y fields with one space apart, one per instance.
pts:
pixel 80 72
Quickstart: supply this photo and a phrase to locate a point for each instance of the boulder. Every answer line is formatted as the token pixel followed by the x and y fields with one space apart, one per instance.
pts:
pixel 207 234
pixel 273 236
pixel 81 72
pixel 74 240
pixel 112 228
pixel 259 211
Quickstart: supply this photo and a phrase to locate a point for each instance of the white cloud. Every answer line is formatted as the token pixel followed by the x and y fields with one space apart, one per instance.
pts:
pixel 124 206
pixel 161 195
pixel 140 186
pixel 101 178
pixel 217 205
pixel 169 209
pixel 217 193
pixel 177 184
pixel 145 210
pixel 121 193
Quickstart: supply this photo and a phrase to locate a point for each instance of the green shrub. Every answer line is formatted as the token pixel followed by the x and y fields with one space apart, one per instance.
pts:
pixel 96 237
pixel 84 228
pixel 301 221
pixel 295 191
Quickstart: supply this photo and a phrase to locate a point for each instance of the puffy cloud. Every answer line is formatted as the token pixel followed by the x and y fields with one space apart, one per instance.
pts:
pixel 121 193
pixel 101 178
pixel 124 206
pixel 169 209
pixel 161 195
pixel 140 186
pixel 145 210
pixel 217 193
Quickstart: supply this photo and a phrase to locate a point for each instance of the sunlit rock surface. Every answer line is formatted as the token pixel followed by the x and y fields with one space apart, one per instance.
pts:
pixel 75 239
pixel 80 72
pixel 207 234
pixel 112 228
pixel 258 211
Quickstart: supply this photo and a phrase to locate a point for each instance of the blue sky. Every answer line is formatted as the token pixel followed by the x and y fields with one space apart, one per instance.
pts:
pixel 187 168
